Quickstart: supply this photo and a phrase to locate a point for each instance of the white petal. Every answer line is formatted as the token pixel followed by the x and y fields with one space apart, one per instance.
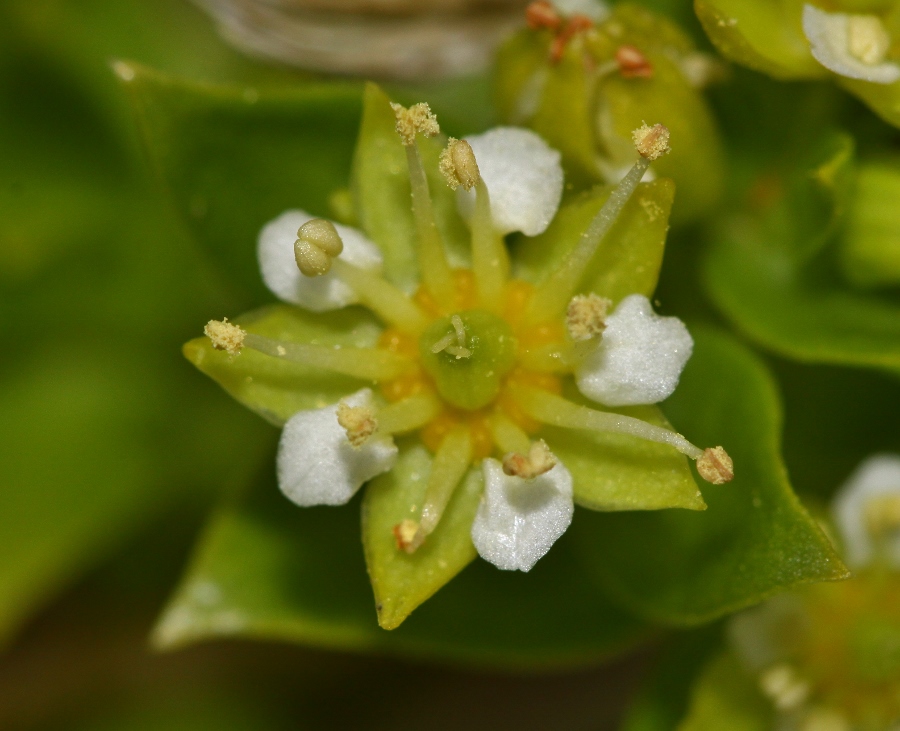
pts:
pixel 878 476
pixel 829 39
pixel 523 175
pixel 317 465
pixel 275 251
pixel 518 520
pixel 639 358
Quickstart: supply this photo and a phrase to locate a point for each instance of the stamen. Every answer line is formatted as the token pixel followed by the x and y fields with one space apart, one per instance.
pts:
pixel 784 686
pixel 507 435
pixel 409 414
pixel 436 273
pixel 225 336
pixel 371 364
pixel 715 466
pixel 358 421
pixel 586 316
pixel 318 242
pixel 538 461
pixel 555 292
pixel 541 14
pixel 557 411
pixel 458 164
pixel 447 470
pixel 383 298
pixel 867 38
pixel 632 63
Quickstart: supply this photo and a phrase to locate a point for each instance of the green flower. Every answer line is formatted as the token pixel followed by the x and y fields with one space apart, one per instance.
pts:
pixel 467 361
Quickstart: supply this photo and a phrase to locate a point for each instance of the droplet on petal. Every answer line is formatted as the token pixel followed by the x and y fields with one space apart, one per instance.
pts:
pixel 639 359
pixel 519 520
pixel 318 465
pixel 523 175
pixel 275 251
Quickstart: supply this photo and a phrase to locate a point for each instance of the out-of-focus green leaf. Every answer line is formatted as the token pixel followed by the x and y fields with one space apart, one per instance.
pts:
pixel 726 697
pixel 629 257
pixel 401 581
pixel 764 35
pixel 268 570
pixel 870 246
pixel 755 538
pixel 277 389
pixel 233 158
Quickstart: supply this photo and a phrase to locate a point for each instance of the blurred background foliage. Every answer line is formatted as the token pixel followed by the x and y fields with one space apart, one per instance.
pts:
pixel 114 449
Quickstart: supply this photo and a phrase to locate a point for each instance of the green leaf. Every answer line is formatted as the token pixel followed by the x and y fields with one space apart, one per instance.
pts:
pixel 630 256
pixel 381 192
pixel 764 35
pixel 266 569
pixel 684 568
pixel 402 582
pixel 726 697
pixel 233 158
pixel 277 389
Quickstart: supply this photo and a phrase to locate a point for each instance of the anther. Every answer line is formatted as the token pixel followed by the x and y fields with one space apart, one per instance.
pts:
pixel 458 165
pixel 417 119
pixel 651 142
pixel 538 461
pixel 586 316
pixel 715 466
pixel 867 38
pixel 406 534
pixel 784 686
pixel 317 244
pixel 225 336
pixel 541 14
pixel 632 63
pixel 358 421
pixel 575 25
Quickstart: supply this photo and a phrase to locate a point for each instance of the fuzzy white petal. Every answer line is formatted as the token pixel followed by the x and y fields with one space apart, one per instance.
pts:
pixel 275 251
pixel 524 178
pixel 878 476
pixel 639 358
pixel 316 463
pixel 829 39
pixel 519 520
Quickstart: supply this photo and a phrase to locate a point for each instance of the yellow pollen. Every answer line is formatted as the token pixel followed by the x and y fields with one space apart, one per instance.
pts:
pixel 358 421
pixel 715 466
pixel 225 336
pixel 405 534
pixel 586 316
pixel 538 461
pixel 417 119
pixel 651 142
pixel 458 165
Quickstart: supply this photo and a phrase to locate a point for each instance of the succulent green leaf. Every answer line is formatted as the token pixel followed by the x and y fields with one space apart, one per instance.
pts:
pixel 764 35
pixel 381 192
pixel 278 389
pixel 402 581
pixel 726 697
pixel 233 158
pixel 617 472
pixel 870 252
pixel 684 568
pixel 266 569
pixel 629 258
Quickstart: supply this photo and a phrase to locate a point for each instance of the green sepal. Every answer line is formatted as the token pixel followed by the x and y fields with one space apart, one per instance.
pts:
pixel 883 99
pixel 277 389
pixel 629 257
pixel 401 581
pixel 617 472
pixel 683 568
pixel 381 192
pixel 726 696
pixel 870 253
pixel 764 35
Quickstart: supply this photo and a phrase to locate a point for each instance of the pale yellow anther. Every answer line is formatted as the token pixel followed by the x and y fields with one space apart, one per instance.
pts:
pixel 784 686
pixel 715 466
pixel 406 533
pixel 586 316
pixel 882 514
pixel 458 165
pixel 317 244
pixel 358 421
pixel 418 119
pixel 651 142
pixel 867 38
pixel 225 336
pixel 538 461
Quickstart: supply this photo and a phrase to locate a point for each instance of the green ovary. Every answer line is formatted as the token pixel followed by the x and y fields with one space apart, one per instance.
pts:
pixel 474 381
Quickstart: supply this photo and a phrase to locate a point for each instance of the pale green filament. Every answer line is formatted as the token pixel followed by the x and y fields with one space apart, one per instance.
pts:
pixel 553 295
pixel 371 364
pixel 451 462
pixel 409 414
pixel 382 297
pixel 490 260
pixel 508 436
pixel 557 411
pixel 436 274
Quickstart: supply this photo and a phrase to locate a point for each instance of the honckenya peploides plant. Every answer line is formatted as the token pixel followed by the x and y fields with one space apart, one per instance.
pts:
pixel 477 367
